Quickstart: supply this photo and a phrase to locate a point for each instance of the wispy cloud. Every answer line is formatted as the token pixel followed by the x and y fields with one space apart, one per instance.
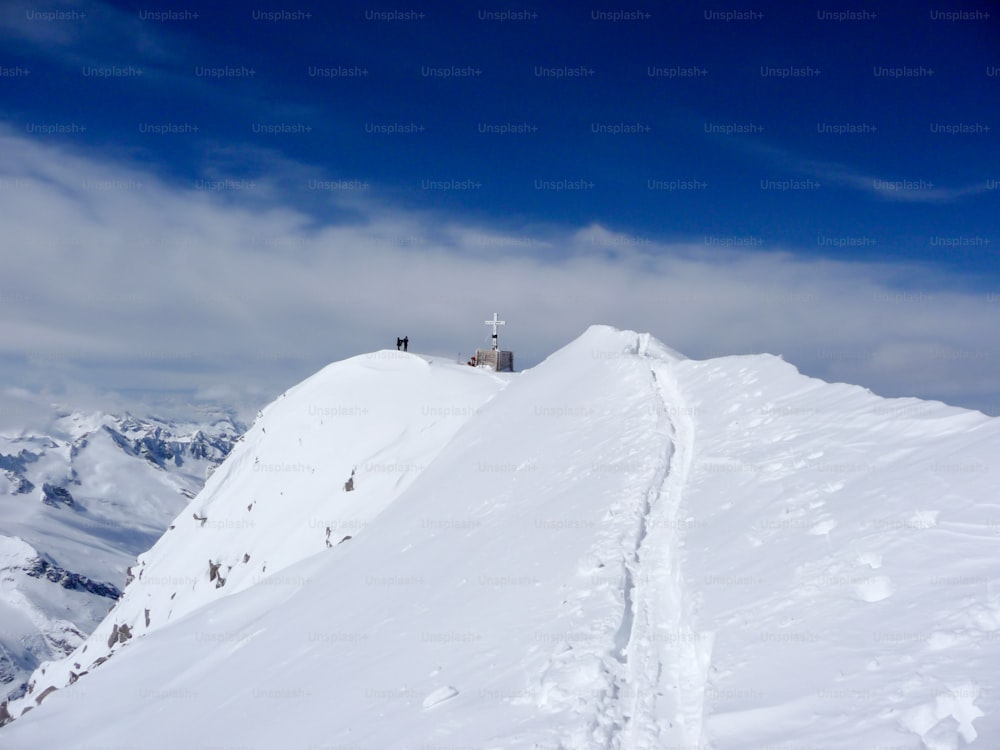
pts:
pixel 883 187
pixel 114 277
pixel 82 32
pixel 60 25
pixel 77 34
pixel 898 190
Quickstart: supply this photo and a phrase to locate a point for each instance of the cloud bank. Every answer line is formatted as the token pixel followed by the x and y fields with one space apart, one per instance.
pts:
pixel 118 279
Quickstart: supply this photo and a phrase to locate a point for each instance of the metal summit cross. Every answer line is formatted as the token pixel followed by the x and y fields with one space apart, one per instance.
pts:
pixel 495 322
pixel 494 359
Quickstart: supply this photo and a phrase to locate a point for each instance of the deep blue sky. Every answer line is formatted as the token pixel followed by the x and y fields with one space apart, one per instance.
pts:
pixel 138 85
pixel 395 88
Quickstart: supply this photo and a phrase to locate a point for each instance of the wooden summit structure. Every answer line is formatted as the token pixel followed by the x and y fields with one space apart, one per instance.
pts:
pixel 495 358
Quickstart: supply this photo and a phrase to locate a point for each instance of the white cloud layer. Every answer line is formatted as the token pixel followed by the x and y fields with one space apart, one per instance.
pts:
pixel 117 279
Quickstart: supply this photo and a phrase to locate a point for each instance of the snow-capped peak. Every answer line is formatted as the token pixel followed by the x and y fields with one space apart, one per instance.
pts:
pixel 620 548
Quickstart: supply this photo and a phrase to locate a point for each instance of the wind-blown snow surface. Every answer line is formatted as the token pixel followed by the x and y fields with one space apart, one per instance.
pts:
pixel 620 548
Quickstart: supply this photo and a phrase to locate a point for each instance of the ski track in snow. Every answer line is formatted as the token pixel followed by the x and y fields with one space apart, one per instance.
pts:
pixel 691 649
pixel 645 690
pixel 661 686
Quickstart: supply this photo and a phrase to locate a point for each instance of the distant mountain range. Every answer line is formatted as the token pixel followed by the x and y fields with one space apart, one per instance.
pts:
pixel 81 495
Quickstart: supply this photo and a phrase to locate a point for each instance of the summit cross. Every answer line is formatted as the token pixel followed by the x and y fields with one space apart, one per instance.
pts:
pixel 495 322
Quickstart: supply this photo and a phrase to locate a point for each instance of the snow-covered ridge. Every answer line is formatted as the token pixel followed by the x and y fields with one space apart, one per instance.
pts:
pixel 316 467
pixel 83 494
pixel 620 548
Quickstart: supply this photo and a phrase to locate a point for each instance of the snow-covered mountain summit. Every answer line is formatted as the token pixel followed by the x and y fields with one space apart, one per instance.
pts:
pixel 620 548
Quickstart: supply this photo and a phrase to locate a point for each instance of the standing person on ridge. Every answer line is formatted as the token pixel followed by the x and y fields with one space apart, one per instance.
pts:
pixel 406 343
pixel 399 343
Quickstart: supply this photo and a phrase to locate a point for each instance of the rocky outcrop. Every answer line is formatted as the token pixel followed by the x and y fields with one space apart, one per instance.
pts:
pixel 119 634
pixel 55 496
pixel 158 444
pixel 42 568
pixel 18 463
pixel 14 468
pixel 214 574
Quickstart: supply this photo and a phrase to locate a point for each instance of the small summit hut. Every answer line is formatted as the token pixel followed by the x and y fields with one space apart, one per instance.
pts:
pixel 494 358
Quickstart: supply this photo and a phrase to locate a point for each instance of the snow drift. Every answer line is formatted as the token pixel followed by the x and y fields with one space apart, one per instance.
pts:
pixel 620 548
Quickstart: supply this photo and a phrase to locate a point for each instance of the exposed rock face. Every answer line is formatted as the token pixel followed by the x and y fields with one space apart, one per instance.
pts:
pixel 41 568
pixel 214 574
pixel 14 468
pixel 22 486
pixel 119 634
pixel 160 447
pixel 19 462
pixel 56 496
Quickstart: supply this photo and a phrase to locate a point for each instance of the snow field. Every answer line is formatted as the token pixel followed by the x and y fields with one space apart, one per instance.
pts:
pixel 620 548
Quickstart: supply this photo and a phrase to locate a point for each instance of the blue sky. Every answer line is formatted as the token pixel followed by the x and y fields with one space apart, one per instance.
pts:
pixel 806 179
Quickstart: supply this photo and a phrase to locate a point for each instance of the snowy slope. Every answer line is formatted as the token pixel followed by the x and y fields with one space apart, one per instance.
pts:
pixel 620 548
pixel 82 495
pixel 852 542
